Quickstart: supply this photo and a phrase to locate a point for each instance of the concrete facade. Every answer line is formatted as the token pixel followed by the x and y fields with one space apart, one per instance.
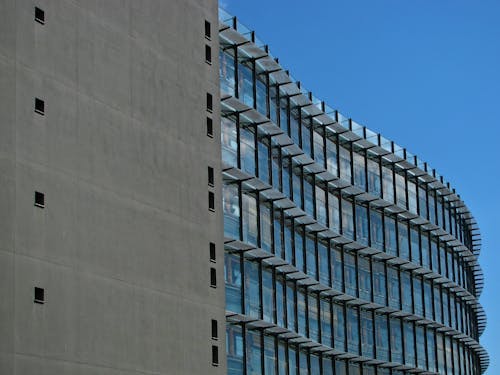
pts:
pixel 121 154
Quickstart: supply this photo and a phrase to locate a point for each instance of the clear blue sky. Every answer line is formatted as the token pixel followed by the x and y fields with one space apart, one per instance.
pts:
pixel 424 73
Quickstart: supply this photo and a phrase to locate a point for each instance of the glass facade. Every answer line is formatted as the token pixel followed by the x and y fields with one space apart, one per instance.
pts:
pixel 339 251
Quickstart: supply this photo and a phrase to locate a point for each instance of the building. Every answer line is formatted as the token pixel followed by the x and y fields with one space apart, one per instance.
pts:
pixel 345 254
pixel 125 205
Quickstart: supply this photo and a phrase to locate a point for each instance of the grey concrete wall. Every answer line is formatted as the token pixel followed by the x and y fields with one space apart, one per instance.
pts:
pixel 122 246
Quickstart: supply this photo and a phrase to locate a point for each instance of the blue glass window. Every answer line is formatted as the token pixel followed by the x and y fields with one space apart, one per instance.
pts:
pixel 326 325
pixel 282 369
pixel 299 248
pixel 287 232
pixel 352 330
pixel 264 161
pixel 388 184
pixel 261 92
pixel 253 350
pixel 359 171
pixel 345 163
pixel 306 137
pixel 403 240
pixel 374 177
pixel 379 291
pixel 431 351
pixel 226 71
pixel 425 250
pixel 301 312
pixel 284 114
pixel 313 319
pixel 273 104
pixel 376 230
pixel 327 366
pixel 420 338
pixel 406 292
pixel 294 126
pixel 245 84
pixel 366 333
pixel 229 141
pixel 396 343
pixel 324 271
pixel 250 232
pixel 247 150
pixel 347 219
pixel 417 292
pixel 321 206
pixel 400 190
pixel 438 317
pixel 331 157
pixel 311 258
pixel 364 279
pixel 232 276
pixel 308 195
pixel 381 337
pixel 319 149
pixel 338 326
pixel 234 349
pixel 280 302
pixel 415 246
pixel 393 284
pixel 315 369
pixel 412 197
pixel 292 360
pixel 268 295
pixel 337 273
pixel 409 343
pixel 277 229
pixel 252 290
pixel 231 209
pixel 269 355
pixel 290 306
pixel 422 202
pixel 265 227
pixel 303 363
pixel 390 236
pixel 350 274
pixel 333 212
pixel 362 225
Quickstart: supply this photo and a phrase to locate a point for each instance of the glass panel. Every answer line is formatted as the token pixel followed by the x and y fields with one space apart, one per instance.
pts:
pixel 406 291
pixel 282 369
pixel 297 189
pixel 301 312
pixel 379 283
pixel 412 197
pixel 294 126
pixel 290 306
pixel 252 292
pixel 306 137
pixel 229 141
pixel 276 170
pixel 352 330
pixel 340 367
pixel 326 326
pixel 253 349
pixel 234 349
pixel 362 225
pixel 390 236
pixel 338 326
pixel 331 157
pixel 311 258
pixel 261 91
pixel 323 260
pixel 337 274
pixel 277 228
pixel 403 240
pixel 396 343
pixel 249 219
pixel 273 104
pixel 409 343
pixel 333 212
pixel 422 202
pixel 268 295
pixel 226 72
pixel 313 318
pixel 345 163
pixel 269 355
pixel 319 150
pixel 232 276
pixel 417 292
pixel 440 353
pixel 302 363
pixel 299 248
pixel 327 366
pixel 350 274
pixel 400 190
pixel 287 232
pixel 247 150
pixel 393 280
pixel 415 246
pixel 381 337
pixel 245 84
pixel 388 184
pixel 438 317
pixel 347 219
pixel 376 230
pixel 308 196
pixel 321 206
pixel 292 360
pixel 359 171
pixel 373 177
pixel 230 202
pixel 280 302
pixel 264 161
pixel 431 350
pixel 265 227
pixel 428 299
pixel 420 337
pixel 365 284
pixel 366 333
pixel 434 255
pixel 425 250
pixel 315 369
pixel 284 114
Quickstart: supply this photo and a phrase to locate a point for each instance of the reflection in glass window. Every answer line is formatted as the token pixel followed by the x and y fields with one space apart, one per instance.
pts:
pixel 308 195
pixel 249 205
pixel 426 262
pixel 345 163
pixel 438 317
pixel 331 157
pixel 326 326
pixel 226 71
pixel 362 225
pixel 431 351
pixel 376 230
pixel 428 299
pixel 252 290
pixel 280 302
pixel 284 114
pixel 282 369
pixel 294 126
pixel 231 209
pixel 400 190
pixel 229 141
pixel 245 84
pixel 352 330
pixel 406 291
pixel 269 355
pixel 301 312
pixel 273 104
pixel 379 293
pixel 253 349
pixel 268 295
pixel 299 248
pixel 440 353
pixel 373 177
pixel 261 92
pixel 390 236
pixel 234 349
pixel 393 280
pixel 338 326
pixel 364 278
pixel 333 212
pixel 340 367
pixel 434 255
pixel 286 176
pixel 350 274
pixel 409 343
pixel 366 333
pixel 290 306
pixel 412 197
pixel 297 189
pixel 359 171
pixel 431 201
pixel 287 233
pixel 311 258
pixel 319 149
pixel 292 359
pixel 381 337
pixel 315 369
pixel 347 219
pixel 247 150
pixel 420 337
pixel 396 343
pixel 306 137
pixel 403 240
pixel 264 161
pixel 313 318
pixel 321 205
pixel 302 363
pixel 417 292
pixel 232 277
pixel 388 184
pixel 265 227
pixel 327 366
pixel 422 202
pixel 337 273
pixel 275 167
pixel 415 246
pixel 323 260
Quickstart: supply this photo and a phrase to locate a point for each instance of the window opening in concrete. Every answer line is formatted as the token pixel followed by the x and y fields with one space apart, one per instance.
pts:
pixel 39 199
pixel 39 295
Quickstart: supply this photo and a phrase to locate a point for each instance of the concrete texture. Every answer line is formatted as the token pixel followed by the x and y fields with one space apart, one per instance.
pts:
pixel 122 245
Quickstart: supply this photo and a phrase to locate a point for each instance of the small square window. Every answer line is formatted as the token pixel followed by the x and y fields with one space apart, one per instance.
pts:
pixel 208 32
pixel 39 106
pixel 39 15
pixel 39 295
pixel 210 176
pixel 39 199
pixel 212 252
pixel 215 334
pixel 210 127
pixel 208 54
pixel 211 201
pixel 213 277
pixel 210 102
pixel 215 355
